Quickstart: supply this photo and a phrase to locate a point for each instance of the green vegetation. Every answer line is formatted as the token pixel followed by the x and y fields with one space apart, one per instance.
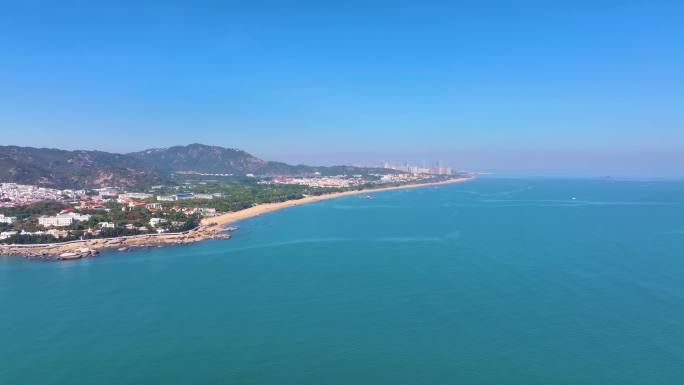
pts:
pixel 27 216
pixel 126 222
pixel 23 239
pixel 34 210
pixel 73 169
pixel 230 193
pixel 86 169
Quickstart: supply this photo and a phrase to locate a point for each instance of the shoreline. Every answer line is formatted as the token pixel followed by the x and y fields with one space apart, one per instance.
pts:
pixel 209 228
pixel 254 211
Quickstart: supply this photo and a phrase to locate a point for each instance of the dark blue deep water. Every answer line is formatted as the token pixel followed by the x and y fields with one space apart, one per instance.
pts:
pixel 492 281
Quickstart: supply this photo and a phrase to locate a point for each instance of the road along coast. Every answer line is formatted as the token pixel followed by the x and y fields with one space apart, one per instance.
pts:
pixel 209 228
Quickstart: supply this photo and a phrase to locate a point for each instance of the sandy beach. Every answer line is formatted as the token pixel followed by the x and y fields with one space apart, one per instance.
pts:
pixel 229 218
pixel 210 228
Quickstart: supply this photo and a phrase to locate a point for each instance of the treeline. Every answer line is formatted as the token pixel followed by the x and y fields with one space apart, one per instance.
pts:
pixel 112 233
pixel 33 210
pixel 25 239
pixel 189 224
pixel 242 195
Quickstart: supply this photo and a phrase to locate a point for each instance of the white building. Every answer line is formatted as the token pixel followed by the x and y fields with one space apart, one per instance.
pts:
pixel 57 221
pixel 7 234
pixel 203 196
pixel 123 198
pixel 4 219
pixel 206 211
pixel 155 221
pixel 108 191
pixel 57 233
pixel 106 225
pixel 167 198
pixel 62 219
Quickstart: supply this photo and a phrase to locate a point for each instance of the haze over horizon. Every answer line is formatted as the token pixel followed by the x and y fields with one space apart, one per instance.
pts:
pixel 537 88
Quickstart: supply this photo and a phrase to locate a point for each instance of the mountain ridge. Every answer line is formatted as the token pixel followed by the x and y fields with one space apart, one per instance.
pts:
pixel 59 168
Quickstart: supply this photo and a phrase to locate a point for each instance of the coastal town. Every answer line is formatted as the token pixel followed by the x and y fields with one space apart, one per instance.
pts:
pixel 345 182
pixel 177 213
pixel 34 214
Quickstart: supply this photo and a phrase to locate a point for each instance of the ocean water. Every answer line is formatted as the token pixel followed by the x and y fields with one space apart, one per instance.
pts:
pixel 494 281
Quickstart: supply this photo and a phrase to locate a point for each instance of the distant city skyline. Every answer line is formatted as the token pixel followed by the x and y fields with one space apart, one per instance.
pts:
pixel 581 88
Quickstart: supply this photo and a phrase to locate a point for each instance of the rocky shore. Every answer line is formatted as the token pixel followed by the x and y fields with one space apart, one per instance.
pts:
pixel 92 247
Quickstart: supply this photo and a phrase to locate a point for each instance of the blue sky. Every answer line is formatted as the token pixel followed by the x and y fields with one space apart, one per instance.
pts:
pixel 593 88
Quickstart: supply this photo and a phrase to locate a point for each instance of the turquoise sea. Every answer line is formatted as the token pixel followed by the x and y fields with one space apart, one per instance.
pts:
pixel 494 281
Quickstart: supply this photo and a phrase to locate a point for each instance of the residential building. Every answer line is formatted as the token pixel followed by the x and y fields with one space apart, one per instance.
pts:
pixel 133 196
pixel 57 233
pixel 9 220
pixel 137 205
pixel 57 221
pixel 62 219
pixel 156 221
pixel 7 234
pixel 203 196
pixel 206 211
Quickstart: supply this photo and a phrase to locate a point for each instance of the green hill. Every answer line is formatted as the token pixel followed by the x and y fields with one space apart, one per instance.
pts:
pixel 78 169
pixel 73 169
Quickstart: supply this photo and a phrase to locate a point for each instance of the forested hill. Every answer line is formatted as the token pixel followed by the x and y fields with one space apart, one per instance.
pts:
pixel 200 158
pixel 77 169
pixel 73 169
pixel 214 159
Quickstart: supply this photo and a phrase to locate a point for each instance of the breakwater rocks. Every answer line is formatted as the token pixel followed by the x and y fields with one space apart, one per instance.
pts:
pixel 81 253
pixel 89 248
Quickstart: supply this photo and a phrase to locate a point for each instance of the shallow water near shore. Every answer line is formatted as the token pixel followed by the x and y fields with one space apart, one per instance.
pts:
pixel 492 281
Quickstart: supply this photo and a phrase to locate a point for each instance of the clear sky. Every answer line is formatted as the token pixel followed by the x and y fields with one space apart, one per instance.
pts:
pixel 567 87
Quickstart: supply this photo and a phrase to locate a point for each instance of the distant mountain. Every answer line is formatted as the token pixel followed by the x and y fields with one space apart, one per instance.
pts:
pixel 77 169
pixel 219 160
pixel 200 158
pixel 73 169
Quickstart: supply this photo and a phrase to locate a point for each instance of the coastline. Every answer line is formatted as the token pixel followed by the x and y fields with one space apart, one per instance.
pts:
pixel 229 218
pixel 209 228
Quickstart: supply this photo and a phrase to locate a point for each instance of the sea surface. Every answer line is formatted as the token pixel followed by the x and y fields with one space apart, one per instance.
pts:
pixel 493 281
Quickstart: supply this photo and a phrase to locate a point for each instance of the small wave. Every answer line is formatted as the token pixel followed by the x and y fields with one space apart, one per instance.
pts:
pixel 366 207
pixel 494 206
pixel 504 193
pixel 450 236
pixel 402 239
pixel 580 202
